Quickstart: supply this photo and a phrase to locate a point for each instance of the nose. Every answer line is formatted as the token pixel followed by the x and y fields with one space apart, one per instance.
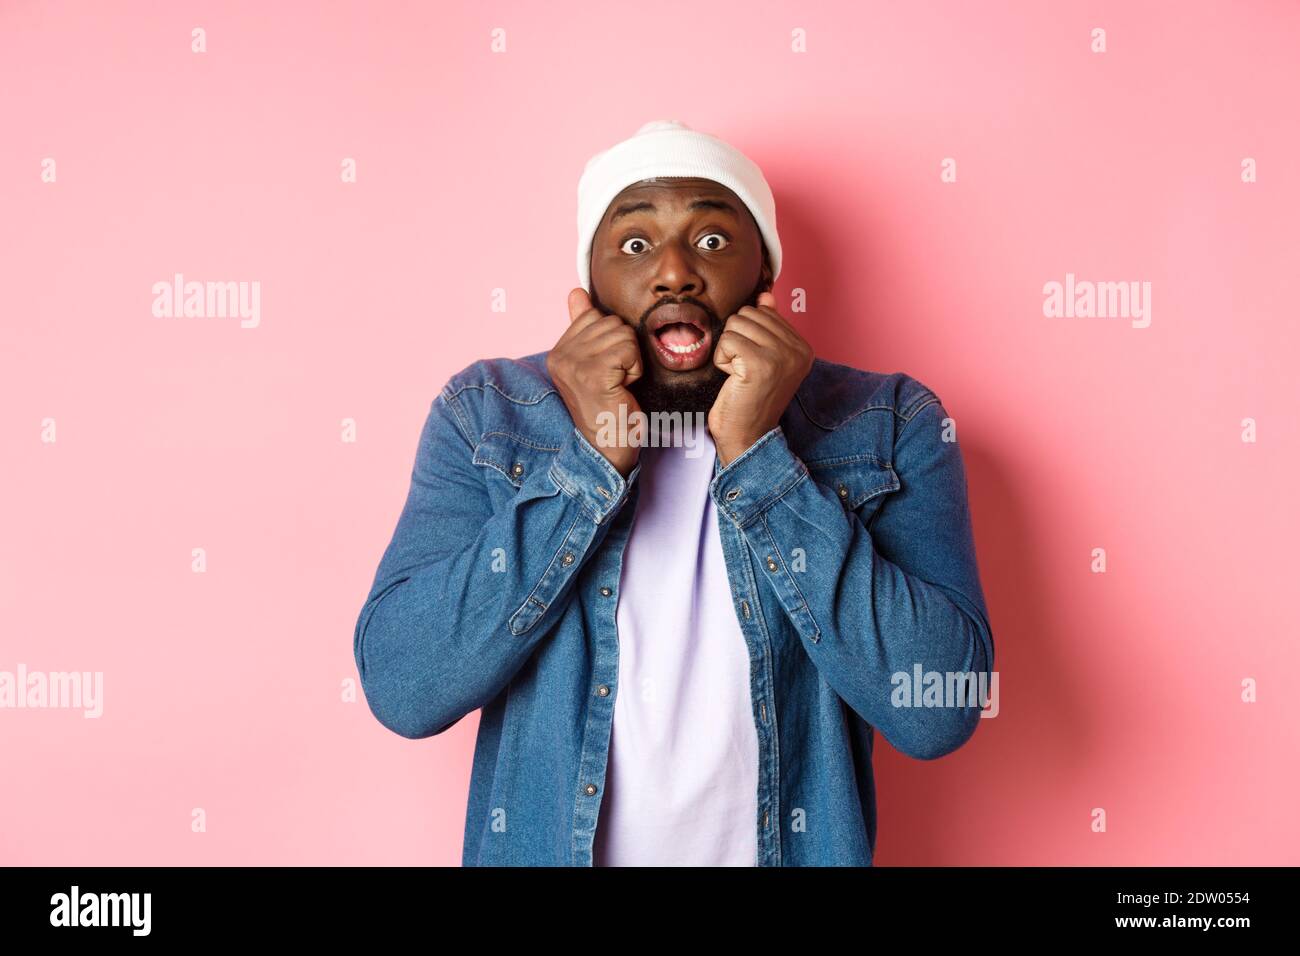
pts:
pixel 675 274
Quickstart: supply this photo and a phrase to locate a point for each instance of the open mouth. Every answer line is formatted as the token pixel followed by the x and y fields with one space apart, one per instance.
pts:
pixel 681 336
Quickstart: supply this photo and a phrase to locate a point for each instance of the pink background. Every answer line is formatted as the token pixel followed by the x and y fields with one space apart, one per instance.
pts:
pixel 222 690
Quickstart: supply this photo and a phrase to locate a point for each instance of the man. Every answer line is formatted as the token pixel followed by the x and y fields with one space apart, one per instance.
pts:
pixel 681 641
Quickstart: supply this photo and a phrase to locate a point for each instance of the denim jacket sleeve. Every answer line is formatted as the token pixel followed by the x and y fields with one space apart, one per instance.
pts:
pixel 877 602
pixel 465 592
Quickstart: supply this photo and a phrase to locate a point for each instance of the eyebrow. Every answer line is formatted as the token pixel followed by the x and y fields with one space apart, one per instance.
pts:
pixel 644 205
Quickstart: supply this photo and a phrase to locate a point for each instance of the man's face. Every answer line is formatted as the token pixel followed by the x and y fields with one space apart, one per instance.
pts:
pixel 675 258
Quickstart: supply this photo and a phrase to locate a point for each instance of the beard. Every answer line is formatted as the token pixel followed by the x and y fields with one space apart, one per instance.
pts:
pixel 697 395
pixel 659 390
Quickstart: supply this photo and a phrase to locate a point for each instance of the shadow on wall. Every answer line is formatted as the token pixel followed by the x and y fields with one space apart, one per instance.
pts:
pixel 968 808
pixel 980 804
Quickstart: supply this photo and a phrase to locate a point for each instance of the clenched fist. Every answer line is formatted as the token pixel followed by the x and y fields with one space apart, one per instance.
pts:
pixel 765 360
pixel 592 365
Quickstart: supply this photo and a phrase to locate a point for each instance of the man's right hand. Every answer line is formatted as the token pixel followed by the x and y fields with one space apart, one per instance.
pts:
pixel 592 365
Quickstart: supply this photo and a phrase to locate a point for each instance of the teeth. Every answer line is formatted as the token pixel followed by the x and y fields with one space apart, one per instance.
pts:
pixel 684 349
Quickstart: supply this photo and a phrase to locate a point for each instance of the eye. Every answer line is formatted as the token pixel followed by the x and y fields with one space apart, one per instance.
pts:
pixel 716 235
pixel 634 252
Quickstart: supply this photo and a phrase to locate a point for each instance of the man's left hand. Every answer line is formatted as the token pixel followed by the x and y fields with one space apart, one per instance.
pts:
pixel 766 360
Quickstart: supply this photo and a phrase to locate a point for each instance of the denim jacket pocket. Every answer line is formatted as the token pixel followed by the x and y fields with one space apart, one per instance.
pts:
pixel 514 457
pixel 861 482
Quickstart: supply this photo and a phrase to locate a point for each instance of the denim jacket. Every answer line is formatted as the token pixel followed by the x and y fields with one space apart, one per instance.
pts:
pixel 851 563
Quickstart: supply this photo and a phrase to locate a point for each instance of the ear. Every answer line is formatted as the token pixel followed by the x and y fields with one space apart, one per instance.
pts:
pixel 765 280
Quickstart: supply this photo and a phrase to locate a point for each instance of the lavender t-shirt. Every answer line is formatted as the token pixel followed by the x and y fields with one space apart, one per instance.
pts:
pixel 682 784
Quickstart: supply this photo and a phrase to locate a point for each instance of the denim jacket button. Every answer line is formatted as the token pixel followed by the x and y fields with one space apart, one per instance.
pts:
pixel 518 469
pixel 771 565
pixel 590 789
pixel 568 557
pixel 603 690
pixel 844 492
pixel 605 592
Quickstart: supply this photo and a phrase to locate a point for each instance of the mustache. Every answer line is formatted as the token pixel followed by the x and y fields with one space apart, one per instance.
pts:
pixel 714 323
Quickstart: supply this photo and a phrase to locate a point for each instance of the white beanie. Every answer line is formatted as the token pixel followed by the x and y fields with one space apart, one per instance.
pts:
pixel 670 148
